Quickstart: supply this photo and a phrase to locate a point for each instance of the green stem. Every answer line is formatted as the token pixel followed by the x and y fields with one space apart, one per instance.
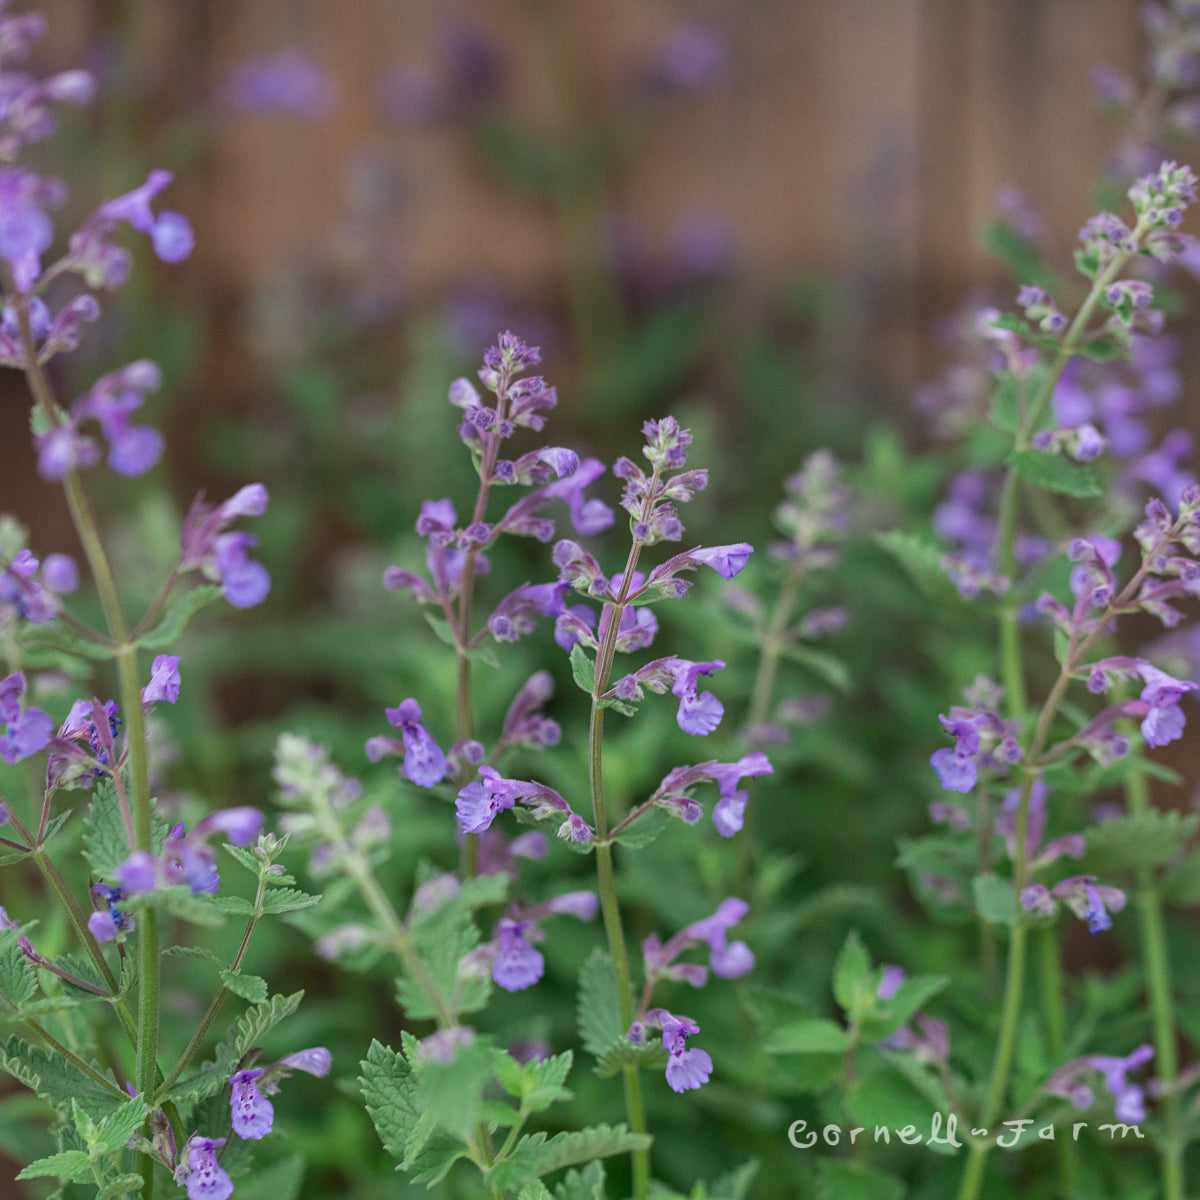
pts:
pixel 1013 673
pixel 146 1071
pixel 609 905
pixel 219 999
pixel 1158 985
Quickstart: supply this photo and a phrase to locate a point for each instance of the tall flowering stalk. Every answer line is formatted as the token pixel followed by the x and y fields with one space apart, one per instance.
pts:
pixel 987 742
pixel 140 865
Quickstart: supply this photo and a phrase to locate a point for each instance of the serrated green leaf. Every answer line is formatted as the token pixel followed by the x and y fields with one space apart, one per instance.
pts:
pixel 180 610
pixel 58 1081
pixel 587 1184
pixel 56 636
pixel 105 841
pixel 815 1035
pixel 536 1190
pixel 536 1155
pixel 286 899
pixel 69 1164
pixel 921 558
pixel 233 906
pixel 547 1079
pixel 254 1024
pixel 734 1185
pixel 994 898
pixel 598 1006
pixel 650 1056
pixel 1055 473
pixel 18 979
pixel 249 987
pixel 391 1096
pixel 838 1179
pixel 1137 841
pixel 442 942
pixel 121 1185
pixel 646 828
pixel 583 669
pixel 192 952
pixel 110 1134
pixel 198 908
pixel 452 1092
pixel 852 977
pixel 84 970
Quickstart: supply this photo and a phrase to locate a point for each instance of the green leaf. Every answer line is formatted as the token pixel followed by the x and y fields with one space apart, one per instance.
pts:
pixel 1055 473
pixel 545 1079
pixel 70 1164
pixel 255 1023
pixel 900 1006
pixel 179 901
pixel 1137 841
pixel 599 1009
pixel 18 979
pixel 110 1134
pixel 646 828
pixel 105 841
pixel 180 610
pixel 922 558
pixel 485 652
pixel 286 899
pixel 58 1081
pixel 885 1098
pixel 441 943
pixel 735 1184
pixel 249 987
pixel 853 983
pixel 838 1179
pixel 814 1036
pixel 650 1056
pixel 583 669
pixel 587 1184
pixel 535 1155
pixel 452 1092
pixel 391 1096
pixel 994 898
pixel 122 1185
pixel 55 636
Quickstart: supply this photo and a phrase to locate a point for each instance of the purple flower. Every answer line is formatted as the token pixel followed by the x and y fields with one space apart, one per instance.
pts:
pixel 424 762
pixel 164 680
pixel 1088 900
pixel 24 732
pixel 1069 1081
pixel 241 825
pixel 728 960
pixel 25 229
pixel 698 714
pixel 102 925
pixel 685 1068
pixel 286 84
pixel 253 1114
pixel 222 557
pixel 315 1061
pixel 479 802
pixel 205 1180
pixel 517 965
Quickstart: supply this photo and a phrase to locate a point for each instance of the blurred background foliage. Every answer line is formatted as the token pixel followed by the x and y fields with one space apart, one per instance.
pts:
pixel 748 216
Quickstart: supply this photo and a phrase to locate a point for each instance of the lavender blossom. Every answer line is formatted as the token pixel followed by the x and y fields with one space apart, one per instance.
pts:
pixel 26 730
pixel 424 762
pixel 202 1173
pixel 252 1114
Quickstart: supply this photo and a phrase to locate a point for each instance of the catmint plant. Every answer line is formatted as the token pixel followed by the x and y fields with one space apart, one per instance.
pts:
pixel 92 1032
pixel 428 1099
